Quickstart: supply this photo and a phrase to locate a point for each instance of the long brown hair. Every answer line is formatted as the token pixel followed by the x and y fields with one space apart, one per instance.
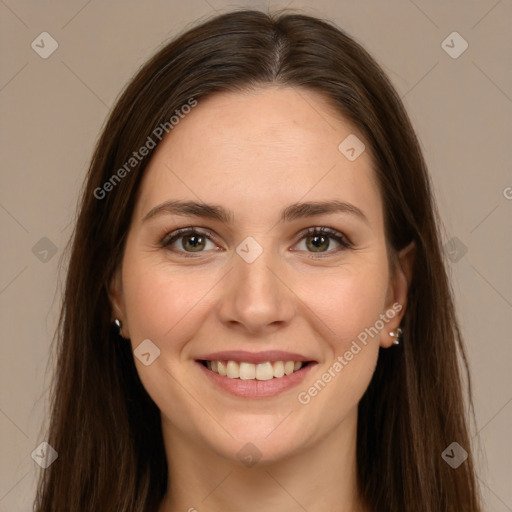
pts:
pixel 105 427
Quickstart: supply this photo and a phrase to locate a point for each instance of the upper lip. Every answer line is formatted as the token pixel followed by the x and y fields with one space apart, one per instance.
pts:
pixel 253 357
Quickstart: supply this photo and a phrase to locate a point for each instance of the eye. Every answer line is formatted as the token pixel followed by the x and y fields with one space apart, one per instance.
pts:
pixel 192 241
pixel 318 240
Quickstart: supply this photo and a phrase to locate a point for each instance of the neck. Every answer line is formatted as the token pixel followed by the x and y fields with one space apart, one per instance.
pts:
pixel 319 478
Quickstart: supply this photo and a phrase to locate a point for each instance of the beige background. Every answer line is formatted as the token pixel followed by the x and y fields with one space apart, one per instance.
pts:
pixel 52 110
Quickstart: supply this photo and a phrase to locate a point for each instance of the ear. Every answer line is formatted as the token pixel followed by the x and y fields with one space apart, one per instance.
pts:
pixel 116 297
pixel 396 301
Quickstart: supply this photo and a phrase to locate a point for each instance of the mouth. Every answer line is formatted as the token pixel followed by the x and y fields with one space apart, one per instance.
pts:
pixel 264 375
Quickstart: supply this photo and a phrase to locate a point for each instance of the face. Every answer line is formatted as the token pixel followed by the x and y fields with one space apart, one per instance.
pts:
pixel 259 278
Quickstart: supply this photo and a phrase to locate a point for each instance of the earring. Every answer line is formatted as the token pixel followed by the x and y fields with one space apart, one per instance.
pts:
pixel 397 335
pixel 119 326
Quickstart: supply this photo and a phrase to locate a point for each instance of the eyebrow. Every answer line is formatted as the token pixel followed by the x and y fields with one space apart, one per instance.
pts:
pixel 290 213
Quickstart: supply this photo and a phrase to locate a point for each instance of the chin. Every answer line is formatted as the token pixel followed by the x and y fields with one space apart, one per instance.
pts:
pixel 263 443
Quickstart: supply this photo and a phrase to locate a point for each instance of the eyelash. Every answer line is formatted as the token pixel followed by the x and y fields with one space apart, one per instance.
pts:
pixel 169 238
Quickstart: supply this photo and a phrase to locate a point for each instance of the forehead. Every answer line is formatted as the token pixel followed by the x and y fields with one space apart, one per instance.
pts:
pixel 257 150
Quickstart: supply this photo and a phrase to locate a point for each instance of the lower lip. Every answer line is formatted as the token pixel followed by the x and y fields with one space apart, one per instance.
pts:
pixel 256 388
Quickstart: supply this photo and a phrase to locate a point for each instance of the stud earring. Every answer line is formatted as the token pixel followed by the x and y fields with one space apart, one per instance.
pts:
pixel 119 326
pixel 397 335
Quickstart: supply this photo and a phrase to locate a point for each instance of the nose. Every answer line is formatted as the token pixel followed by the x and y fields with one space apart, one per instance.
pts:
pixel 256 298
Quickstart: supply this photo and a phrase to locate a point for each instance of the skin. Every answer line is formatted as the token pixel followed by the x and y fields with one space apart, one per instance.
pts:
pixel 253 153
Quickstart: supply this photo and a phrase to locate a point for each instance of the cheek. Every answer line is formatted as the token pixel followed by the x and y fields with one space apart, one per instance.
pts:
pixel 350 305
pixel 161 302
pixel 350 310
pixel 347 302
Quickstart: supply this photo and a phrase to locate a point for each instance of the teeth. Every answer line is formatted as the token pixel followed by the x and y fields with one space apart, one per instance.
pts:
pixel 278 369
pixel 249 371
pixel 233 370
pixel 288 367
pixel 264 371
pixel 221 368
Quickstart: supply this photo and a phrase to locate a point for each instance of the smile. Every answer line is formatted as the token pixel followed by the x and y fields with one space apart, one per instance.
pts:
pixel 258 380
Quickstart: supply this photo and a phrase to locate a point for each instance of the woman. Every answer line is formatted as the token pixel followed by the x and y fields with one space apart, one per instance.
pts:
pixel 257 313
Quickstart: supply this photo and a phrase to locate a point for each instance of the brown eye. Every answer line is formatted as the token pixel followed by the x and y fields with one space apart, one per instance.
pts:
pixel 187 241
pixel 319 240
